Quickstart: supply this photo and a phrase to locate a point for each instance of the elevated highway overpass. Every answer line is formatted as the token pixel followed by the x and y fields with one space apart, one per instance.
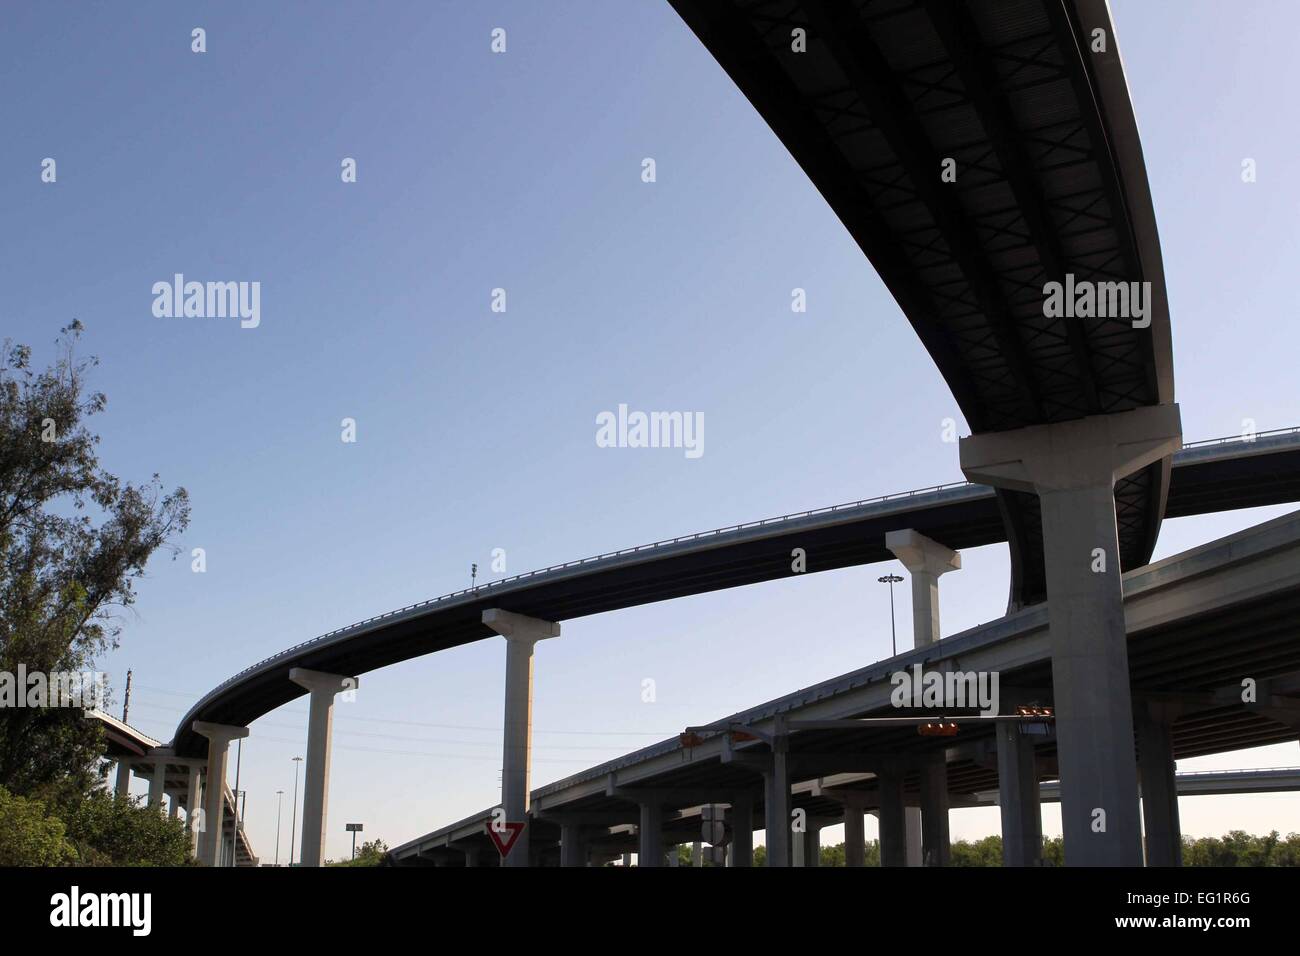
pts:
pixel 1207 477
pixel 1198 623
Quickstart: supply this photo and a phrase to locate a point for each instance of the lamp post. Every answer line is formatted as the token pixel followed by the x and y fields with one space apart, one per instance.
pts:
pixel 891 580
pixel 354 829
pixel 279 804
pixel 293 830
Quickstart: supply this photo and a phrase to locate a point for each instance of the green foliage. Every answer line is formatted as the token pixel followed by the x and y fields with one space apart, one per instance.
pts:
pixel 1236 848
pixel 107 831
pixel 28 837
pixel 985 852
pixel 370 853
pixel 73 540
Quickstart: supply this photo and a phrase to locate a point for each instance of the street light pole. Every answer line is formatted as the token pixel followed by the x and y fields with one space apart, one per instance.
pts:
pixel 279 804
pixel 891 580
pixel 293 830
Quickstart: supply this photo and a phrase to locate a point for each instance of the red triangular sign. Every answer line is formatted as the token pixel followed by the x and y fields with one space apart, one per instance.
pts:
pixel 505 841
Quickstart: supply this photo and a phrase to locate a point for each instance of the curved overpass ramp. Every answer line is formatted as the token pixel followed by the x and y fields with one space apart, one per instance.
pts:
pixel 1207 477
pixel 1048 182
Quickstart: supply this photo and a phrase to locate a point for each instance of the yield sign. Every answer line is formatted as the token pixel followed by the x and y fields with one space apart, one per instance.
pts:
pixel 505 841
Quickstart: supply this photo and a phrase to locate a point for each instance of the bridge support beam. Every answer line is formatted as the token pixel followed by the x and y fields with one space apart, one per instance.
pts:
pixel 316 782
pixel 808 844
pixel 573 849
pixel 1018 798
pixel 650 836
pixel 123 786
pixel 776 802
pixel 1073 466
pixel 521 634
pixel 893 822
pixel 1164 838
pixel 219 738
pixel 192 816
pixel 855 831
pixel 925 560
pixel 912 825
pixel 157 782
pixel 742 830
pixel 935 846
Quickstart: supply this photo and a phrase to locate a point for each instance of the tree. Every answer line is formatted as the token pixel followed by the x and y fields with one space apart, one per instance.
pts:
pixel 73 541
pixel 370 853
pixel 106 831
pixel 28 837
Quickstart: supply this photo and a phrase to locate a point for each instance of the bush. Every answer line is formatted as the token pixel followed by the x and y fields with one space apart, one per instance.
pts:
pixel 28 837
pixel 106 831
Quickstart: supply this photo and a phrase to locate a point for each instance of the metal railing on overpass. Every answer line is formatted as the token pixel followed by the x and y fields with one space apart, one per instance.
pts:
pixel 490 586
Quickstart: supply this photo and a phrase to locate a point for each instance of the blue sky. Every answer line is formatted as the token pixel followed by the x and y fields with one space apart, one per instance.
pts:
pixel 476 429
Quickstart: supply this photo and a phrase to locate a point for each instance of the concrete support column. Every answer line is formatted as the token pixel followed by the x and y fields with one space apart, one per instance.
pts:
pixel 471 855
pixel 192 806
pixel 650 836
pixel 157 779
pixel 808 845
pixel 674 855
pixel 742 831
pixel 123 787
pixel 935 846
pixel 219 738
pixel 572 848
pixel 893 827
pixel 1164 838
pixel 1073 466
pixel 697 853
pixel 925 560
pixel 912 824
pixel 521 634
pixel 316 775
pixel 1018 798
pixel 855 831
pixel 776 782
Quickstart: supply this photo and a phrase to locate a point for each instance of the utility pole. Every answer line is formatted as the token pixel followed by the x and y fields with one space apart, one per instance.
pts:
pixel 891 580
pixel 354 829
pixel 279 805
pixel 473 574
pixel 126 699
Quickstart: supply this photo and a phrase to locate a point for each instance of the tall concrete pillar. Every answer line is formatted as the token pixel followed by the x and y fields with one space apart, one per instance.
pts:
pixel 471 855
pixel 650 836
pixel 912 826
pixel 521 634
pixel 1018 798
pixel 893 827
pixel 742 830
pixel 572 847
pixel 157 781
pixel 123 787
pixel 697 853
pixel 935 846
pixel 1164 838
pixel 316 774
pixel 807 845
pixel 925 560
pixel 1073 466
pixel 776 804
pixel 219 738
pixel 192 806
pixel 855 831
